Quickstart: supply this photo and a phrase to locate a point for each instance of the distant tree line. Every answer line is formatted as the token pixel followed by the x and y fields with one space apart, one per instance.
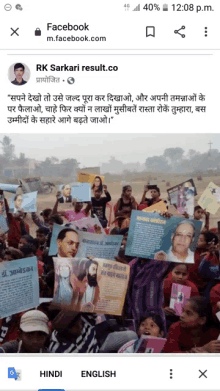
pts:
pixel 175 160
pixel 51 166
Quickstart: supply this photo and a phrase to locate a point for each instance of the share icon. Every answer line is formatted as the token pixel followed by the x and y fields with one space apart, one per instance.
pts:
pixel 178 31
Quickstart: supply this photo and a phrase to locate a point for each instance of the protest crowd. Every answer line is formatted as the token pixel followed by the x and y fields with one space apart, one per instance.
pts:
pixel 168 303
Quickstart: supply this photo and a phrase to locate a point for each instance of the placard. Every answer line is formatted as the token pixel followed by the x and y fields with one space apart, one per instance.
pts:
pixel 19 286
pixel 155 237
pixel 91 285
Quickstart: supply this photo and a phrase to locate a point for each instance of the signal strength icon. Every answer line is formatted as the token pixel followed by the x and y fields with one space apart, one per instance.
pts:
pixel 138 8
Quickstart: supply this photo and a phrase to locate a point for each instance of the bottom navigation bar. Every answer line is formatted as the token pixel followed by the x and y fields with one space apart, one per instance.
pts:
pixel 97 372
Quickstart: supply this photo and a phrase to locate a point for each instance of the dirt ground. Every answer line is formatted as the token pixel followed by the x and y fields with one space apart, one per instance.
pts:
pixel 114 188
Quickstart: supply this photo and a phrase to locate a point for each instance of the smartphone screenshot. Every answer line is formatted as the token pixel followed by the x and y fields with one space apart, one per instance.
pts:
pixel 109 195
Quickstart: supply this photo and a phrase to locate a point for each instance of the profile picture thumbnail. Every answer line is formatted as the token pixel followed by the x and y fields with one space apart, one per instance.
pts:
pixel 19 74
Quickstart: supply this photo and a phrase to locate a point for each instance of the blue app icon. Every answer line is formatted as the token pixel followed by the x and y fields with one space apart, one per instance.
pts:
pixel 12 373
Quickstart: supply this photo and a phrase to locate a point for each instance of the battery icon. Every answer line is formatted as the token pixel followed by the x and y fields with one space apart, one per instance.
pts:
pixel 165 7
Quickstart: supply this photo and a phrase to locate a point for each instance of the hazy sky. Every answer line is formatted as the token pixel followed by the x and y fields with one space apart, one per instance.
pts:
pixel 91 150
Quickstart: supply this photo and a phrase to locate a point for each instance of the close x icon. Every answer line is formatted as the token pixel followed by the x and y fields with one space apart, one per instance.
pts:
pixel 203 373
pixel 15 31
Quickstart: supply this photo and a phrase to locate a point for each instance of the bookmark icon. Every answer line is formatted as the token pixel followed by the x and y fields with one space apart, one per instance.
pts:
pixel 150 31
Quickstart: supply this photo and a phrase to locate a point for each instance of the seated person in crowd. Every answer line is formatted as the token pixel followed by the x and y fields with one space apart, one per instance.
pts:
pixel 9 328
pixel 3 244
pixel 46 214
pixel 17 226
pixel 97 184
pixel 41 241
pixel 179 275
pixel 194 333
pixel 145 288
pixel 126 203
pixel 25 239
pixel 155 197
pixel 215 298
pixel 121 257
pixel 75 214
pixel 47 285
pixel 29 250
pixel 121 225
pixel 74 332
pixel 203 246
pixel 99 205
pixel 198 215
pixel 150 324
pixel 11 254
pixel 34 332
pixel 209 267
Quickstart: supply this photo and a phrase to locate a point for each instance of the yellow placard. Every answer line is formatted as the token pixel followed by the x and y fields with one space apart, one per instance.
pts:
pixel 85 177
pixel 158 207
pixel 208 200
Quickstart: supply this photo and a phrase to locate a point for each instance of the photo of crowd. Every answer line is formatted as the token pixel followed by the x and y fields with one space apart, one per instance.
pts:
pixel 105 276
